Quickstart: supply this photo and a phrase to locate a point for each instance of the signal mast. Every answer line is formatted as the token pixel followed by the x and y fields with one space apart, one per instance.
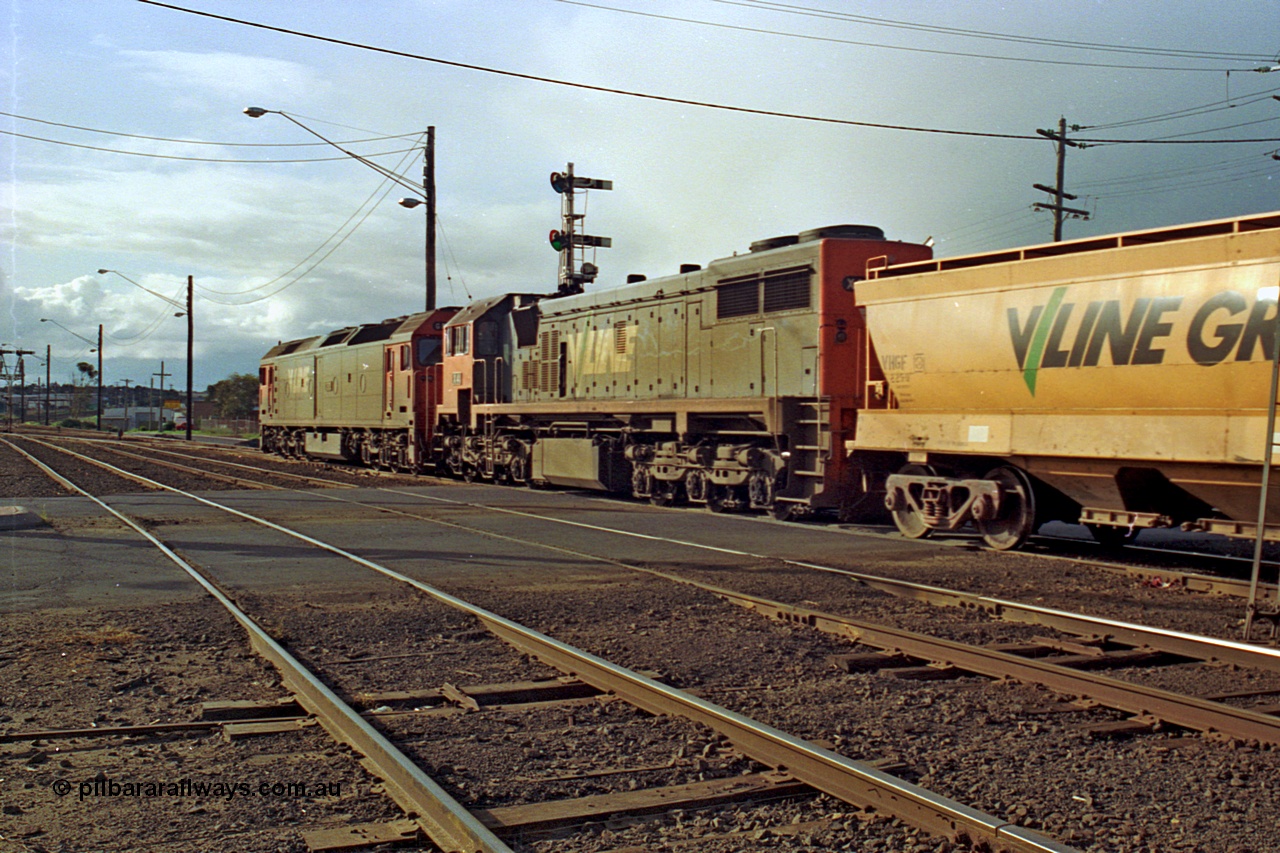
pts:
pixel 575 271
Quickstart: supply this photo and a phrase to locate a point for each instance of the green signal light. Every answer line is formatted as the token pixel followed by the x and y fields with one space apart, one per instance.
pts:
pixel 559 240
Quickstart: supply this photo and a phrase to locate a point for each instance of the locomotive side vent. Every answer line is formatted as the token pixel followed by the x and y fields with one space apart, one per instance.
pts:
pixel 737 298
pixel 549 362
pixel 620 336
pixel 786 290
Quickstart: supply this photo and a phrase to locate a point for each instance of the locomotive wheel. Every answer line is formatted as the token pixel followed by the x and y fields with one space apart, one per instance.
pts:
pixel 1111 537
pixel 908 520
pixel 640 482
pixel 783 510
pixel 518 469
pixel 1017 518
pixel 761 489
pixel 697 485
pixel 728 499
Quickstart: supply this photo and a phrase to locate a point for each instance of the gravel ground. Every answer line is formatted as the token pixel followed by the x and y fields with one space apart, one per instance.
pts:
pixel 94 668
pixel 508 756
pixel 1012 750
pixel 89 477
pixel 20 479
pixel 1004 748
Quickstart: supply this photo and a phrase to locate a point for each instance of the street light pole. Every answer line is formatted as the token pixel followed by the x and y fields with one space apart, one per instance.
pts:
pixel 87 341
pixel 190 329
pixel 428 190
pixel 191 415
pixel 99 426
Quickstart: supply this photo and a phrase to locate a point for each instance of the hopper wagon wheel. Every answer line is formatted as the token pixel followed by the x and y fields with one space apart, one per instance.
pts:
pixel 1111 537
pixel 908 519
pixel 1017 517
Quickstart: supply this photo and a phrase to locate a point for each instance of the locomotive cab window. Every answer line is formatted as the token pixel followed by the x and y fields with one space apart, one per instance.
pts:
pixel 404 356
pixel 428 351
pixel 486 338
pixel 459 340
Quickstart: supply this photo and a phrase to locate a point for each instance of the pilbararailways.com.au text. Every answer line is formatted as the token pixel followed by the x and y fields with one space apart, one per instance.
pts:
pixel 224 788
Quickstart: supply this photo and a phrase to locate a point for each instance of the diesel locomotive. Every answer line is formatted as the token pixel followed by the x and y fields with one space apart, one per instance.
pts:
pixel 1121 382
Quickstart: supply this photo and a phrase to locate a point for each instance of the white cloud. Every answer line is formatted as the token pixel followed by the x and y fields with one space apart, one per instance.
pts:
pixel 224 74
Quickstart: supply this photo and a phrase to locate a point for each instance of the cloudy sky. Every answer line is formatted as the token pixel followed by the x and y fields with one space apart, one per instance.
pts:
pixel 126 148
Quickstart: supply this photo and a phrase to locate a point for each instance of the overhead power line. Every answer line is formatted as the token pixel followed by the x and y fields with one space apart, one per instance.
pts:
pixel 667 99
pixel 204 141
pixel 1188 112
pixel 809 11
pixel 318 249
pixel 188 159
pixel 934 51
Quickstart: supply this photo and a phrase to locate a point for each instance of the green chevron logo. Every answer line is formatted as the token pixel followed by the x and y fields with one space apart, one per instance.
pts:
pixel 1029 340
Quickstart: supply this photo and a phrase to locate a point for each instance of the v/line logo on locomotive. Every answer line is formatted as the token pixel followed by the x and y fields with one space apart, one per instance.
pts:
pixel 1223 327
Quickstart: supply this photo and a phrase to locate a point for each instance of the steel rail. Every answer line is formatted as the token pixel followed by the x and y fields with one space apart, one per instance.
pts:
pixel 1190 580
pixel 852 781
pixel 1189 712
pixel 1185 711
pixel 212 475
pixel 445 821
pixel 286 475
pixel 1174 642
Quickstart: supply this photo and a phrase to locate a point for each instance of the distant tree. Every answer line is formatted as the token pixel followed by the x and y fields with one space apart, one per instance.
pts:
pixel 80 398
pixel 234 397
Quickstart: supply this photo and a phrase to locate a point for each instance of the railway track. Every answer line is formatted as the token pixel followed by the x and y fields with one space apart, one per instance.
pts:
pixel 1165 564
pixel 452 827
pixel 1047 661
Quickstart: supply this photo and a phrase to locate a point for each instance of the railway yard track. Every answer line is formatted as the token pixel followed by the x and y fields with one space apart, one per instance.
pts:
pixel 459 667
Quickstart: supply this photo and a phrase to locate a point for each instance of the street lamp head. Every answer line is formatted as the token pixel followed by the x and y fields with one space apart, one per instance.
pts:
pixel 410 202
pixel 255 112
pixel 44 319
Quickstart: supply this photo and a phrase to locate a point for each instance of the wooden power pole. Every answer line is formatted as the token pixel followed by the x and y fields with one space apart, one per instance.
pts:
pixel 1058 191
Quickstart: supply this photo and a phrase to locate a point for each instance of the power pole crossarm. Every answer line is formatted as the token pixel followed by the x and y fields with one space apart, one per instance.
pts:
pixel 1059 211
